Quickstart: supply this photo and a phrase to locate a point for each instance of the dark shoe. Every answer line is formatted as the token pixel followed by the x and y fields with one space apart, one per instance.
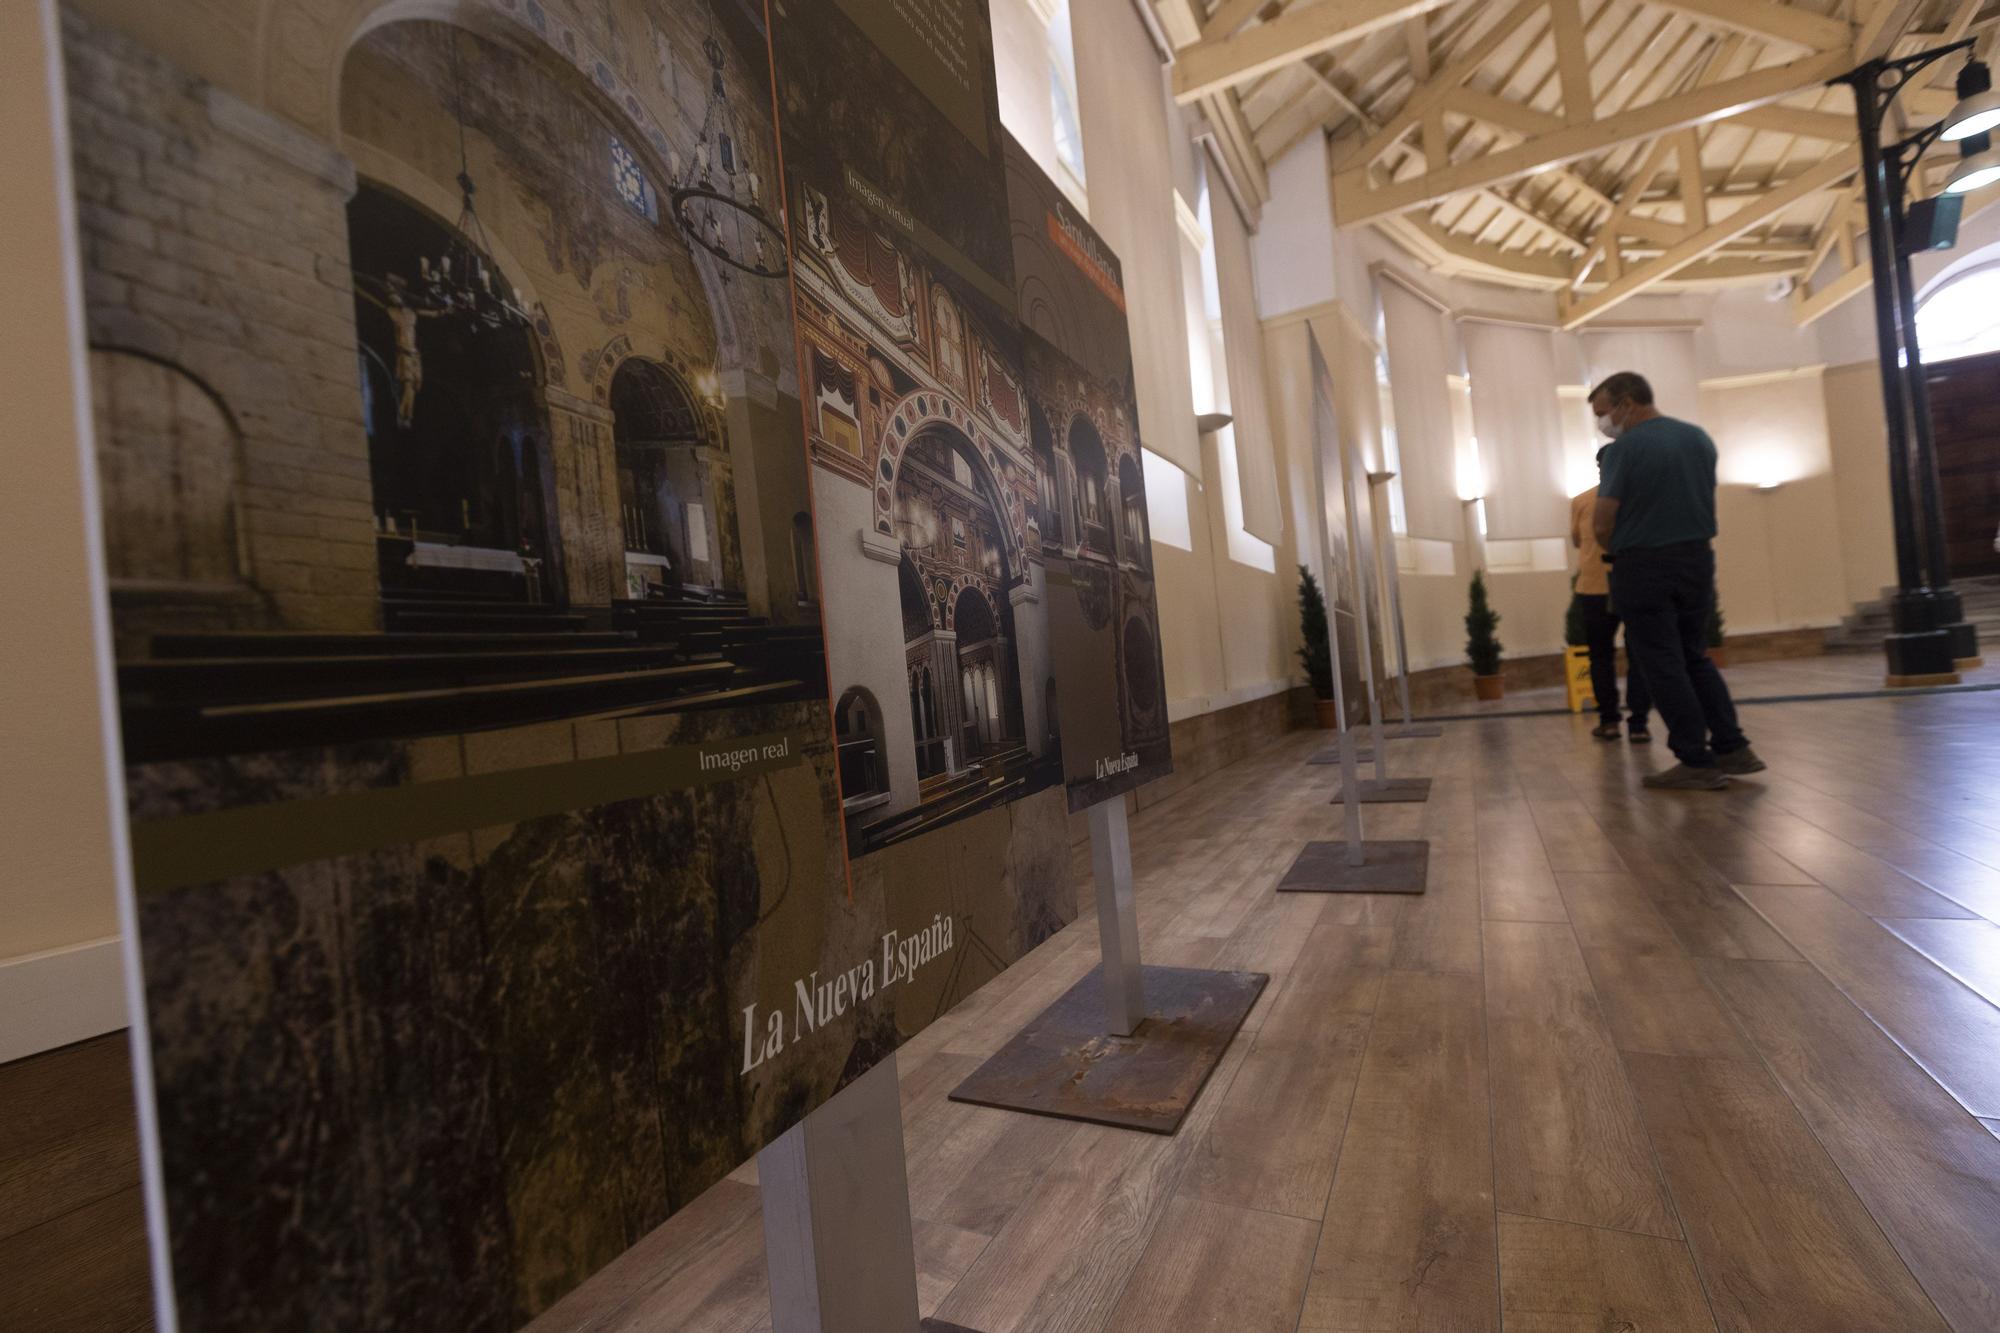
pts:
pixel 1739 762
pixel 1605 731
pixel 1683 777
pixel 1640 736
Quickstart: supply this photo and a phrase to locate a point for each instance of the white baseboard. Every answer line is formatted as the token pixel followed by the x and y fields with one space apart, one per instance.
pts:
pixel 60 996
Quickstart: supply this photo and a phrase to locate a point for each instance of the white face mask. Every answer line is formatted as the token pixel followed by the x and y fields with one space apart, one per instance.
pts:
pixel 1611 429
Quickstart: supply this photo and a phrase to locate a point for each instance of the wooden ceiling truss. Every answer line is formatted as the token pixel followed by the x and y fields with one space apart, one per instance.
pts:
pixel 1595 149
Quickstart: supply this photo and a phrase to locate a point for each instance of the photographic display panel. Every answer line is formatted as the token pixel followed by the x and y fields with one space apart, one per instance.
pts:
pixel 1090 513
pixel 924 482
pixel 593 659
pixel 471 675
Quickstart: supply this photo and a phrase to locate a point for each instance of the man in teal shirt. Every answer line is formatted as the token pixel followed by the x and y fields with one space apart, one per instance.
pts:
pixel 1655 518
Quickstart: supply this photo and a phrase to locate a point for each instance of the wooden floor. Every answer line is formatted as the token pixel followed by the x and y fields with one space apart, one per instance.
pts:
pixel 1636 1061
pixel 72 1228
pixel 1783 678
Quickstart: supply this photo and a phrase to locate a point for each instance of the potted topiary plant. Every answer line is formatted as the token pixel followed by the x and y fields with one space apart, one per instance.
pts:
pixel 1314 653
pixel 1482 650
pixel 1716 653
pixel 1576 652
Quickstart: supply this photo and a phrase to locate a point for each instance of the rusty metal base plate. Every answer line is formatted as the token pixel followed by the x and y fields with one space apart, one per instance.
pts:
pixel 1389 867
pixel 1396 791
pixel 1062 1063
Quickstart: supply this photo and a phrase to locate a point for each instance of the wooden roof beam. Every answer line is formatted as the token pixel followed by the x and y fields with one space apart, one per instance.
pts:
pixel 1357 198
pixel 1428 95
pixel 1795 26
pixel 1885 25
pixel 1211 66
pixel 1699 245
pixel 1228 17
pixel 1797 121
pixel 1572 61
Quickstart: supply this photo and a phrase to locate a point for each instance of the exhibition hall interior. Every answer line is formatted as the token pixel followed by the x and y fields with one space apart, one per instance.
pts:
pixel 985 666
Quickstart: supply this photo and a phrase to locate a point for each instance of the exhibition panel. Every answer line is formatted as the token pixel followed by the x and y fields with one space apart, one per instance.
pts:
pixel 597 603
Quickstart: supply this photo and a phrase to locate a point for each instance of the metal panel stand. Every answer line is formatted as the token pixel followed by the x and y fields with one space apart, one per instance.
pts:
pixel 1351 865
pixel 837 1237
pixel 1392 578
pixel 1101 1053
pixel 1381 788
pixel 1117 918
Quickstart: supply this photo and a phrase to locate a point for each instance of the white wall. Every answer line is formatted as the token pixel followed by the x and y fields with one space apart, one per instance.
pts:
pixel 1226 627
pixel 1778 552
pixel 59 967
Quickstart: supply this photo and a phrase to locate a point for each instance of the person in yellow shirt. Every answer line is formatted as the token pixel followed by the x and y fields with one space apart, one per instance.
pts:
pixel 1600 625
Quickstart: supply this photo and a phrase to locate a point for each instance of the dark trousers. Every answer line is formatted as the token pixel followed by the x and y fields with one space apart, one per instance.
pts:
pixel 1662 593
pixel 1600 630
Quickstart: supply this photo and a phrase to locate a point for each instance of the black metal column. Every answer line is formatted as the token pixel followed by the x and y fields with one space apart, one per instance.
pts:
pixel 1917 646
pixel 1951 612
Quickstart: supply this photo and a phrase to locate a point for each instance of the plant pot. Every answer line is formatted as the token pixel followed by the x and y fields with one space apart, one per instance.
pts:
pixel 1718 655
pixel 1329 718
pixel 1489 688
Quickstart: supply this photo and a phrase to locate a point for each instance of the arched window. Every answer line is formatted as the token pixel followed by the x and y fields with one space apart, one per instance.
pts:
pixel 166 475
pixel 654 427
pixel 857 724
pixel 950 338
pixel 1962 318
pixel 1132 513
pixel 1049 513
pixel 651 407
pixel 1086 450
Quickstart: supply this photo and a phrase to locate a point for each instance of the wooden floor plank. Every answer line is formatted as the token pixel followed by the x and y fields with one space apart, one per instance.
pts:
pixel 1277 1132
pixel 1212 1266
pixel 1993 1126
pixel 1557 1277
pixel 1657 1004
pixel 1969 950
pixel 1950 1030
pixel 1062 1258
pixel 1705 915
pixel 1570 837
pixel 1928 1172
pixel 1412 1246
pixel 67 1131
pixel 1611 911
pixel 1516 882
pixel 1567 1140
pixel 1869 883
pixel 1726 846
pixel 944 1253
pixel 1780 1239
pixel 706 1261
pixel 1966 881
pixel 76 1273
pixel 970 1167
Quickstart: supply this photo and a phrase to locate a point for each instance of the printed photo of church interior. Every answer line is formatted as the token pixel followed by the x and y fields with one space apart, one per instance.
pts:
pixel 452 457
pixel 482 410
pixel 940 646
pixel 924 482
pixel 1102 608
